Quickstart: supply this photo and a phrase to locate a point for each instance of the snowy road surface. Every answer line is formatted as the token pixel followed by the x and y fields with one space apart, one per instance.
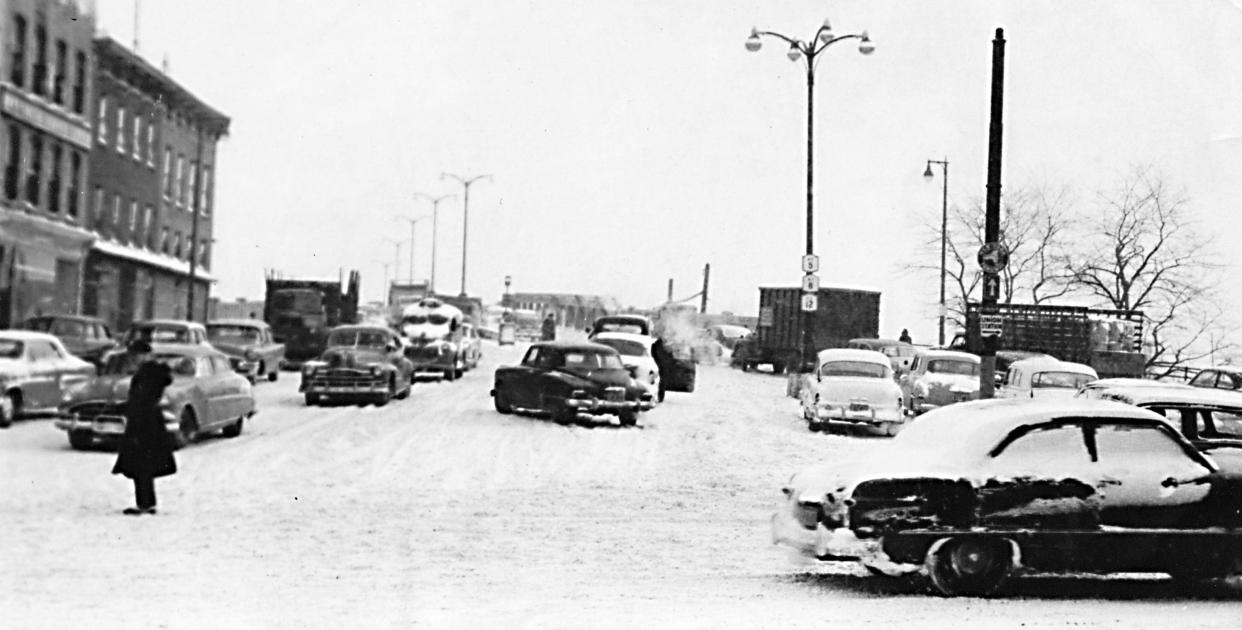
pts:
pixel 439 512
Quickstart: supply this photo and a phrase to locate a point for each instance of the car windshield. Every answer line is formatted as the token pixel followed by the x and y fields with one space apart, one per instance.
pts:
pixel 437 319
pixel 414 319
pixel 364 338
pixel 625 346
pixel 300 300
pixel 897 351
pixel 160 334
pixel 623 327
pixel 232 334
pixel 1065 380
pixel 41 324
pixel 591 361
pixel 125 364
pixel 69 328
pixel 953 366
pixel 10 349
pixel 854 368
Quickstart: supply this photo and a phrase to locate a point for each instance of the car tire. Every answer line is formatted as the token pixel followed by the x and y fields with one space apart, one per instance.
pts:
pixel 450 375
pixel 387 396
pixel 405 393
pixel 80 440
pixel 233 430
pixel 969 566
pixel 501 401
pixel 628 418
pixel 312 399
pixel 563 415
pixel 187 429
pixel 12 404
pixel 273 375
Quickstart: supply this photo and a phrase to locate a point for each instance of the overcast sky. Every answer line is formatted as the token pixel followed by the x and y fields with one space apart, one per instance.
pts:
pixel 632 142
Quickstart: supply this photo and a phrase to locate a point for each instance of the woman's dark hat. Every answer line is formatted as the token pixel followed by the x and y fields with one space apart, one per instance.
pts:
pixel 138 346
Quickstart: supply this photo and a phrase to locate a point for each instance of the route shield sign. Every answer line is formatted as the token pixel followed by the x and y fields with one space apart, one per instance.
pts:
pixel 810 302
pixel 810 283
pixel 810 263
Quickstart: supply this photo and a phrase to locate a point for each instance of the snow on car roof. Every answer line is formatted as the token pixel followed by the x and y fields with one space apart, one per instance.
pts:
pixel 26 335
pixel 853 354
pixel 1050 364
pixel 934 353
pixel 646 340
pixel 1174 394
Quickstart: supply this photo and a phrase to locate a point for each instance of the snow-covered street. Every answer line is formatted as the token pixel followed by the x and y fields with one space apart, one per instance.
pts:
pixel 437 511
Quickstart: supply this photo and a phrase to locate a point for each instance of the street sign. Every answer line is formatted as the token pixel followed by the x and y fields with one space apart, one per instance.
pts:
pixel 991 325
pixel 993 257
pixel 810 283
pixel 810 302
pixel 991 287
pixel 810 263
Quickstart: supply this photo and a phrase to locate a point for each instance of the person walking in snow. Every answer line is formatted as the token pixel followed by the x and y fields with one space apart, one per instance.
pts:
pixel 905 336
pixel 549 328
pixel 146 450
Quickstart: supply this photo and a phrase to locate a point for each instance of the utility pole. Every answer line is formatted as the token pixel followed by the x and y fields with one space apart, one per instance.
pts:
pixel 992 256
pixel 465 218
pixel 435 223
pixel 707 272
pixel 670 290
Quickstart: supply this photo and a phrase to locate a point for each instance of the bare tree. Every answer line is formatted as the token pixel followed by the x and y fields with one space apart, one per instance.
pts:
pixel 1141 251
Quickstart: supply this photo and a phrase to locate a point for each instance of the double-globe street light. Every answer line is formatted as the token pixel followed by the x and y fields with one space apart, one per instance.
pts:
pixel 809 51
pixel 465 216
pixel 413 224
pixel 944 228
pixel 435 223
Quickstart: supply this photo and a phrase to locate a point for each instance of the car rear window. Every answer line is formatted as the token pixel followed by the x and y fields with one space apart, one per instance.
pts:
pixel 592 361
pixel 854 368
pixel 10 348
pixel 624 346
pixel 1065 380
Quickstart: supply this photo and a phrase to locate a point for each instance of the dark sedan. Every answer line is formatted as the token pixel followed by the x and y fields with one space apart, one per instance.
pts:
pixel 87 338
pixel 249 345
pixel 361 363
pixel 564 379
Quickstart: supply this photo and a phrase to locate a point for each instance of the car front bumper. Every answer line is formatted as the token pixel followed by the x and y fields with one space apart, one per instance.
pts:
pixel 107 426
pixel 834 545
pixel 597 405
pixel 360 388
pixel 826 414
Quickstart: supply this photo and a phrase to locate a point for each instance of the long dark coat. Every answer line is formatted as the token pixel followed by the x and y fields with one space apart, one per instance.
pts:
pixel 548 328
pixel 146 447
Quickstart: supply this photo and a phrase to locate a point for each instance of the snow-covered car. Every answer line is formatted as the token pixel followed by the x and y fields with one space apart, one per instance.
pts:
pixel 1045 377
pixel 636 324
pixel 564 379
pixel 362 363
pixel 973 492
pixel 171 331
pixel 35 372
pixel 938 378
pixel 432 330
pixel 855 388
pixel 206 395
pixel 900 354
pixel 728 335
pixel 471 345
pixel 635 351
pixel 1220 377
pixel 1210 418
pixel 249 346
pixel 1097 388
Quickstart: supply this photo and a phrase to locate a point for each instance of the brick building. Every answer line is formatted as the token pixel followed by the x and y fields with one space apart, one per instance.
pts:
pixel 569 309
pixel 151 192
pixel 45 138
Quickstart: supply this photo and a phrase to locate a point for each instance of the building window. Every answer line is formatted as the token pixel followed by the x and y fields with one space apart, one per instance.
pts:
pixel 102 116
pixel 99 207
pixel 38 78
pixel 179 181
pixel 137 148
pixel 177 246
pixel 164 241
pixel 168 173
pixel 12 170
pixel 116 211
pixel 202 253
pixel 120 128
pixel 204 199
pixel 17 61
pixel 150 149
pixel 79 83
pixel 75 182
pixel 34 169
pixel 148 227
pixel 189 186
pixel 133 220
pixel 54 188
pixel 60 71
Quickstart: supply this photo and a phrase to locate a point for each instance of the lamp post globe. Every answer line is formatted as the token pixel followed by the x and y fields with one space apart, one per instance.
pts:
pixel 865 46
pixel 825 33
pixel 794 53
pixel 927 174
pixel 752 43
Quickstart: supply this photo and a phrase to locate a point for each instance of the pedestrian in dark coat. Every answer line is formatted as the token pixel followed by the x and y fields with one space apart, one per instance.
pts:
pixel 549 328
pixel 905 336
pixel 664 363
pixel 146 450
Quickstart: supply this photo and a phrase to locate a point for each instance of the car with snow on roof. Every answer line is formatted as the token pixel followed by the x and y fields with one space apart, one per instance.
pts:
pixel 361 363
pixel 1044 377
pixel 35 371
pixel 434 344
pixel 937 378
pixel 170 331
pixel 973 493
pixel 636 355
pixel 249 346
pixel 564 379
pixel 628 323
pixel 206 395
pixel 855 388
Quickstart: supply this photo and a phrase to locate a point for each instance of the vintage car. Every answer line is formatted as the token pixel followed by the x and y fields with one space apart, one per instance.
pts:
pixel 35 371
pixel 172 331
pixel 1221 377
pixel 433 335
pixel 361 363
pixel 87 338
pixel 564 379
pixel 1045 377
pixel 1096 389
pixel 974 492
pixel 635 351
pixel 900 354
pixel 855 388
pixel 636 324
pixel 249 346
pixel 728 335
pixel 471 345
pixel 206 395
pixel 937 378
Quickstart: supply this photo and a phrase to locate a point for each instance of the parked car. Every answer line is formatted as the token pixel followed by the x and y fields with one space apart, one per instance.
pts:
pixel 87 338
pixel 471 346
pixel 1097 388
pixel 900 354
pixel 975 492
pixel 938 378
pixel 206 395
pixel 1222 377
pixel 636 324
pixel 35 371
pixel 564 379
pixel 171 331
pixel 1045 377
pixel 363 363
pixel 852 387
pixel 728 335
pixel 1006 358
pixel 249 345
pixel 635 351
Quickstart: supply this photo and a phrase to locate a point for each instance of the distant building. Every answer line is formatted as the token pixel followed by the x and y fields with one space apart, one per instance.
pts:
pixel 45 139
pixel 152 184
pixel 570 309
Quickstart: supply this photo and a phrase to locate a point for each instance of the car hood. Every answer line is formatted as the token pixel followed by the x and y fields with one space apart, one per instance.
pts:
pixel 425 332
pixel 633 361
pixel 235 349
pixel 352 357
pixel 877 391
pixel 115 389
pixel 954 382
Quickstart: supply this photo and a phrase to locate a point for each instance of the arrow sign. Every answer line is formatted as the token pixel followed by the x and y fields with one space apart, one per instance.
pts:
pixel 991 287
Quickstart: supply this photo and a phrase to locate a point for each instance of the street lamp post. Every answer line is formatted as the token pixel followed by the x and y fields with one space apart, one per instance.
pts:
pixel 384 296
pixel 808 52
pixel 944 228
pixel 396 258
pixel 435 222
pixel 413 223
pixel 465 215
pixel 508 280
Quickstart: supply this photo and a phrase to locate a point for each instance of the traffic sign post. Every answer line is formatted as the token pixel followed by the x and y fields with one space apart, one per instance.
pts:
pixel 810 302
pixel 810 283
pixel 991 325
pixel 810 263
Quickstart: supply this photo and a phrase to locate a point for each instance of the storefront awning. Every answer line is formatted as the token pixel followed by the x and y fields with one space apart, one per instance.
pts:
pixel 112 248
pixel 61 239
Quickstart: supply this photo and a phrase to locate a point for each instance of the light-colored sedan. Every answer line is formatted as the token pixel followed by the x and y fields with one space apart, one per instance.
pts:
pixel 635 351
pixel 1045 377
pixel 938 378
pixel 35 371
pixel 852 387
pixel 206 395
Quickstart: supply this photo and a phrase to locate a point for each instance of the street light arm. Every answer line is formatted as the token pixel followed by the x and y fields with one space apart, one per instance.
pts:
pixel 788 40
pixel 815 53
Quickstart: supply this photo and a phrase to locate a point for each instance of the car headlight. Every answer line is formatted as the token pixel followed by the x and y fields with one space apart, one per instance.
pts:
pixel 375 370
pixel 165 401
pixel 251 355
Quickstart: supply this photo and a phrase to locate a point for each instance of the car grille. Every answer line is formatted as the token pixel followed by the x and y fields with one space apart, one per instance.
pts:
pixel 90 411
pixel 424 352
pixel 615 394
pixel 343 378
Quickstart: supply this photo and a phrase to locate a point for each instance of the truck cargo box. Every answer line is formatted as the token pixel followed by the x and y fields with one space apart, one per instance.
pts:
pixel 843 314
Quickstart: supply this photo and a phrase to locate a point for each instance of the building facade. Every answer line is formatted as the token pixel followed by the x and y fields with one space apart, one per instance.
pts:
pixel 569 309
pixel 46 70
pixel 151 193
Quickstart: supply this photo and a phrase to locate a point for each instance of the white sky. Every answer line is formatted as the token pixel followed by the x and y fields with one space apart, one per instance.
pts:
pixel 631 142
